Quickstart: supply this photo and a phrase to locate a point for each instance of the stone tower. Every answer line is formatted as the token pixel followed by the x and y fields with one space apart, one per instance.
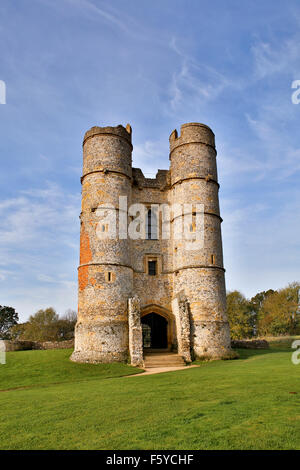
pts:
pixel 200 273
pixel 149 291
pixel 105 277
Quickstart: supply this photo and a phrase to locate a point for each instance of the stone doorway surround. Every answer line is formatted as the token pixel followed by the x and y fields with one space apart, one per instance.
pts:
pixel 171 322
pixel 178 327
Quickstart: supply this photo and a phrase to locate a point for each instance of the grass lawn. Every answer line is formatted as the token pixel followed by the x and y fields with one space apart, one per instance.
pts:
pixel 249 403
pixel 36 368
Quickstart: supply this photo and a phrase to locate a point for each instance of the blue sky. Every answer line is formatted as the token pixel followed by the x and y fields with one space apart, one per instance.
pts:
pixel 72 64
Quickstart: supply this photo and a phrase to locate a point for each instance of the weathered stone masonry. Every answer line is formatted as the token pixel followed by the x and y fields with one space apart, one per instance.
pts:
pixel 115 289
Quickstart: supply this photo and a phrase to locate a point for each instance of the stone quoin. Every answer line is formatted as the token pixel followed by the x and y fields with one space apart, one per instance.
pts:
pixel 152 294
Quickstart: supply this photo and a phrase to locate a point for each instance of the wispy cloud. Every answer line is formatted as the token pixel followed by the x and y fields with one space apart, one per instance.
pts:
pixel 195 82
pixel 117 18
pixel 39 227
pixel 276 57
pixel 150 156
pixel 38 216
pixel 281 159
pixel 93 11
pixel 260 248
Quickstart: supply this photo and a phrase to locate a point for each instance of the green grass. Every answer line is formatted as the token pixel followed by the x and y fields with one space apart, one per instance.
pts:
pixel 249 403
pixel 36 368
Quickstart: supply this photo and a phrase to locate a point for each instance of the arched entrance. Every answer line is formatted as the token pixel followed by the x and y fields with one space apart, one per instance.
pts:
pixel 162 322
pixel 155 331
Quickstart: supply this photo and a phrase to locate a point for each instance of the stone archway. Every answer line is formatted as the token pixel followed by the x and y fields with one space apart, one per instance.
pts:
pixel 159 328
pixel 155 334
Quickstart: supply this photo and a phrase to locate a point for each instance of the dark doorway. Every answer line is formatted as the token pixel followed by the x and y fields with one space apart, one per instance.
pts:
pixel 155 335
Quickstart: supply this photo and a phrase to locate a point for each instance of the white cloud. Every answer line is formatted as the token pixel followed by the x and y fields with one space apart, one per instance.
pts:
pixel 90 8
pixel 149 155
pixel 25 218
pixel 39 237
pixel 260 247
pixel 280 158
pixel 196 82
pixel 277 57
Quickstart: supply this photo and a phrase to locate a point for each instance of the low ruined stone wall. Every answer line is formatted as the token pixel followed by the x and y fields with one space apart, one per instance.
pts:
pixel 54 345
pixel 29 345
pixel 250 344
pixel 18 345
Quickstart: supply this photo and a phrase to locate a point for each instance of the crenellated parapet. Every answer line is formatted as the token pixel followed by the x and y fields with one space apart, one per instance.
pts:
pixel 192 132
pixel 117 131
pixel 161 181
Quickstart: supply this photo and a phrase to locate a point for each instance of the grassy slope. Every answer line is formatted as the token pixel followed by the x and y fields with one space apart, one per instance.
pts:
pixel 240 404
pixel 32 368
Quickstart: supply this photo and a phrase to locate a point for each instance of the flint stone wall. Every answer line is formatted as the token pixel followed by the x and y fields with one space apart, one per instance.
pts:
pixel 181 312
pixel 135 332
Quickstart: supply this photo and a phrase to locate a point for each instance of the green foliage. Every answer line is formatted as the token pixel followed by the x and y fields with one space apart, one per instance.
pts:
pixel 258 299
pixel 239 315
pixel 278 313
pixel 8 318
pixel 251 405
pixel 42 326
pixel 256 304
pixel 268 313
pixel 16 332
pixel 66 325
pixel 45 325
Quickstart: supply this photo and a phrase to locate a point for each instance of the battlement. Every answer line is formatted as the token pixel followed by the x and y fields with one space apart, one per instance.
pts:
pixel 161 181
pixel 119 131
pixel 192 133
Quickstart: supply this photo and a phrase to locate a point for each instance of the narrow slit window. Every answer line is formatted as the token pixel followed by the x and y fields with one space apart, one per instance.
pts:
pixel 193 224
pixel 193 227
pixel 152 268
pixel 110 276
pixel 151 225
pixel 213 259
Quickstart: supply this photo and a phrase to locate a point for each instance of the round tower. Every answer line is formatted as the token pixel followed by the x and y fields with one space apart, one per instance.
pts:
pixel 105 272
pixel 198 269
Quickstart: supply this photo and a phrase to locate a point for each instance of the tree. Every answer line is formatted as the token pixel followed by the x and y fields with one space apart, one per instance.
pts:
pixel 42 326
pixel 239 315
pixel 255 304
pixel 258 299
pixel 8 318
pixel 45 325
pixel 70 316
pixel 279 313
pixel 16 331
pixel 66 325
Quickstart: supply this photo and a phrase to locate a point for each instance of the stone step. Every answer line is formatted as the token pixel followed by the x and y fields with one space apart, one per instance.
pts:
pixel 163 360
pixel 160 356
pixel 166 355
pixel 152 361
pixel 158 366
pixel 157 363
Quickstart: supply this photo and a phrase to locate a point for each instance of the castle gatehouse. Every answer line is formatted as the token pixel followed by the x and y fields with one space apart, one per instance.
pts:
pixel 151 273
